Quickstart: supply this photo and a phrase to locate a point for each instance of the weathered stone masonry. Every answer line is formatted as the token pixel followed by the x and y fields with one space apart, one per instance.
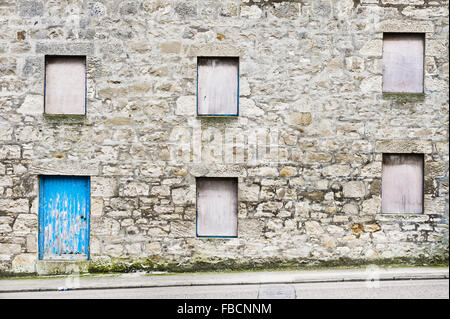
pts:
pixel 310 77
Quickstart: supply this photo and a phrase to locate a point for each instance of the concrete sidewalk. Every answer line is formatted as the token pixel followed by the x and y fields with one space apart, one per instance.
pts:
pixel 145 280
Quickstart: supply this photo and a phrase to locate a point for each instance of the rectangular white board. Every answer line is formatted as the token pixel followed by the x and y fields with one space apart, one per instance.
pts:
pixel 217 86
pixel 65 85
pixel 217 207
pixel 403 62
pixel 402 183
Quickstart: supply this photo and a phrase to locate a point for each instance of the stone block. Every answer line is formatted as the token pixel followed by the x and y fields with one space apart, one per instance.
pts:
pixel 313 228
pixel 161 191
pixel 354 189
pixel 103 187
pixel 25 223
pixel 183 196
pixel 96 9
pixel 153 248
pixel 372 48
pixel 96 206
pixel 300 118
pixel 182 229
pixel 170 47
pixel 249 193
pixel 10 152
pixel 251 12
pixel 288 171
pixel 186 105
pixel 10 249
pixel 372 206
pixel 406 25
pixel 214 49
pixel 24 263
pixel 403 146
pixel 30 9
pixel 14 205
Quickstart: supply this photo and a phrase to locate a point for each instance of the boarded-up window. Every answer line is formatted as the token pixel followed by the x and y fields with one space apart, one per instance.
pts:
pixel 217 86
pixel 217 207
pixel 402 183
pixel 65 85
pixel 403 60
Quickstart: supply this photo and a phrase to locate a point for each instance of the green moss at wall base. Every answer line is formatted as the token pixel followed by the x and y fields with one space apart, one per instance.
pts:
pixel 204 265
pixel 199 264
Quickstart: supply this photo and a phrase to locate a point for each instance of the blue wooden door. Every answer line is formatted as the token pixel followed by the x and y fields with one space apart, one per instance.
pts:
pixel 64 209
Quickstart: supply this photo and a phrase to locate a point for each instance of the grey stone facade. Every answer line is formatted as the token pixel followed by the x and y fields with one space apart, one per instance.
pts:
pixel 306 147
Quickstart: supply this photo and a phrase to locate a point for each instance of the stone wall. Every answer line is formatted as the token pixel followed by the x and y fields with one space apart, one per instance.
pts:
pixel 306 147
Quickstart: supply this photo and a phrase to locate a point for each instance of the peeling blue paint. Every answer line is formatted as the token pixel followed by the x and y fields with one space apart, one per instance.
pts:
pixel 64 211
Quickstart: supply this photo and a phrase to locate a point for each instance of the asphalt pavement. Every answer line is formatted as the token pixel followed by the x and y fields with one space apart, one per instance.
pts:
pixel 369 282
pixel 391 289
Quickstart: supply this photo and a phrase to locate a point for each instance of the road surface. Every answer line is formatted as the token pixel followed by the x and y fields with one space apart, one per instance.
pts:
pixel 401 289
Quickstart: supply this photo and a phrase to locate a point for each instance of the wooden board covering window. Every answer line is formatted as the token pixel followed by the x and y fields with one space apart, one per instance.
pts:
pixel 402 183
pixel 217 207
pixel 217 86
pixel 65 85
pixel 403 61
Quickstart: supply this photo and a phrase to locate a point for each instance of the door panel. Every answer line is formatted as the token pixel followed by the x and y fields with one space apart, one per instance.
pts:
pixel 64 210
